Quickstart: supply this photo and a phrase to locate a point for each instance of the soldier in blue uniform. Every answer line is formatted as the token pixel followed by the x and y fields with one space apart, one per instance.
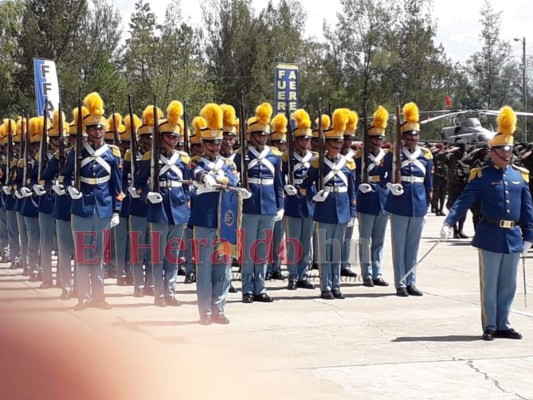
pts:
pixel 371 198
pixel 168 210
pixel 96 205
pixel 299 209
pixel 47 222
pixel 408 203
pixel 4 243
pixel 143 278
pixel 213 173
pixel 263 208
pixel 335 202
pixel 504 231
pixel 278 140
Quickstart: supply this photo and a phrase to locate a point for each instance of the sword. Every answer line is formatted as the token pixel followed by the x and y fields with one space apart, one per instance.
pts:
pixel 525 285
pixel 419 261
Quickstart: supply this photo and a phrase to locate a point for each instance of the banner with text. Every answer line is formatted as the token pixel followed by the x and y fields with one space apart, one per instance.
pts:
pixel 286 88
pixel 46 86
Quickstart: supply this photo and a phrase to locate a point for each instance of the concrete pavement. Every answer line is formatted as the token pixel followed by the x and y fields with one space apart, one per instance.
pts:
pixel 372 345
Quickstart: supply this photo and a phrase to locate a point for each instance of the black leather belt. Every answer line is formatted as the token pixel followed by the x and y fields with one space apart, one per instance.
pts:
pixel 502 223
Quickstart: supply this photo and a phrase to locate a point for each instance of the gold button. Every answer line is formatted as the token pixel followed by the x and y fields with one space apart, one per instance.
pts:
pixel 508 211
pixel 507 201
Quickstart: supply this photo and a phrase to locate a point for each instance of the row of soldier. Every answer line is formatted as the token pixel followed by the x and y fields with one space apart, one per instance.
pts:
pixel 160 202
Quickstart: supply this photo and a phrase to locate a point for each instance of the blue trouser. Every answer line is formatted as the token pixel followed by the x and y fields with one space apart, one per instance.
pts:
pixel 3 231
pixel 497 279
pixel 298 245
pixel 32 225
pixel 212 277
pixel 140 233
pixel 88 235
pixel 347 245
pixel 13 235
pixel 405 235
pixel 371 239
pixel 65 252
pixel 256 250
pixel 279 231
pixel 23 240
pixel 187 253
pixel 47 227
pixel 122 248
pixel 165 266
pixel 330 238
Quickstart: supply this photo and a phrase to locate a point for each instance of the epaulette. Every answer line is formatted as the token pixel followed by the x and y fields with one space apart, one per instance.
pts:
pixel 427 153
pixel 350 163
pixel 276 152
pixel 116 150
pixel 127 155
pixel 231 163
pixel 315 154
pixel 523 171
pixel 14 163
pixel 475 173
pixel 196 158
pixel 285 156
pixel 184 157
pixel 358 154
pixel 56 154
pixel 147 155
pixel 315 163
pixel 37 156
pixel 20 163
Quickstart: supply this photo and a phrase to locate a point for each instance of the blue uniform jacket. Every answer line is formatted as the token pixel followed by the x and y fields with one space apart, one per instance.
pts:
pixel 106 197
pixel 299 206
pixel 417 182
pixel 173 210
pixel 49 174
pixel 204 209
pixel 29 206
pixel 379 174
pixel 504 195
pixel 267 198
pixel 339 206
pixel 11 200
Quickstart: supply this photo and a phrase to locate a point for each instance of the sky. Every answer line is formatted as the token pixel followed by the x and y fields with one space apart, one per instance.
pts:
pixel 458 26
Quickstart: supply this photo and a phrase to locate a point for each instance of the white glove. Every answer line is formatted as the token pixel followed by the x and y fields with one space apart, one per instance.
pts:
pixel 74 193
pixel 526 247
pixel 18 195
pixel 350 223
pixel 6 190
pixel 279 215
pixel 290 190
pixel 133 192
pixel 395 188
pixel 365 188
pixel 25 192
pixel 321 196
pixel 445 231
pixel 38 190
pixel 209 181
pixel 115 220
pixel 154 197
pixel 59 189
pixel 246 194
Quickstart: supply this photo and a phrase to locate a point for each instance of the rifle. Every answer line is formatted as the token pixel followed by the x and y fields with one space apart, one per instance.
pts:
pixel 366 142
pixel 79 146
pixel 61 138
pixel 321 148
pixel 244 147
pixel 43 146
pixel 133 146
pixel 156 149
pixel 290 147
pixel 116 138
pixel 9 158
pixel 25 152
pixel 185 130
pixel 398 145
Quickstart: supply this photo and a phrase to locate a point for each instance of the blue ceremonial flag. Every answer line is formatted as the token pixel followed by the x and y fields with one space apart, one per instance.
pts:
pixel 46 86
pixel 286 88
pixel 229 215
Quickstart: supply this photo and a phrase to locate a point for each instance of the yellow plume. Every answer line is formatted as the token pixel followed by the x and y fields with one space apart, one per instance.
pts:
pixel 381 117
pixel 340 118
pixel 111 122
pixel 8 121
pixel 174 112
pixel 263 113
pixel 353 119
pixel 34 125
pixel 229 115
pixel 303 121
pixel 506 121
pixel 148 115
pixel 84 113
pixel 198 124
pixel 279 124
pixel 213 115
pixel 326 122
pixel 55 121
pixel 410 112
pixel 94 104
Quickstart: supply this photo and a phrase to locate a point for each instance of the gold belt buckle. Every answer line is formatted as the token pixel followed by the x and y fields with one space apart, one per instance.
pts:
pixel 506 224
